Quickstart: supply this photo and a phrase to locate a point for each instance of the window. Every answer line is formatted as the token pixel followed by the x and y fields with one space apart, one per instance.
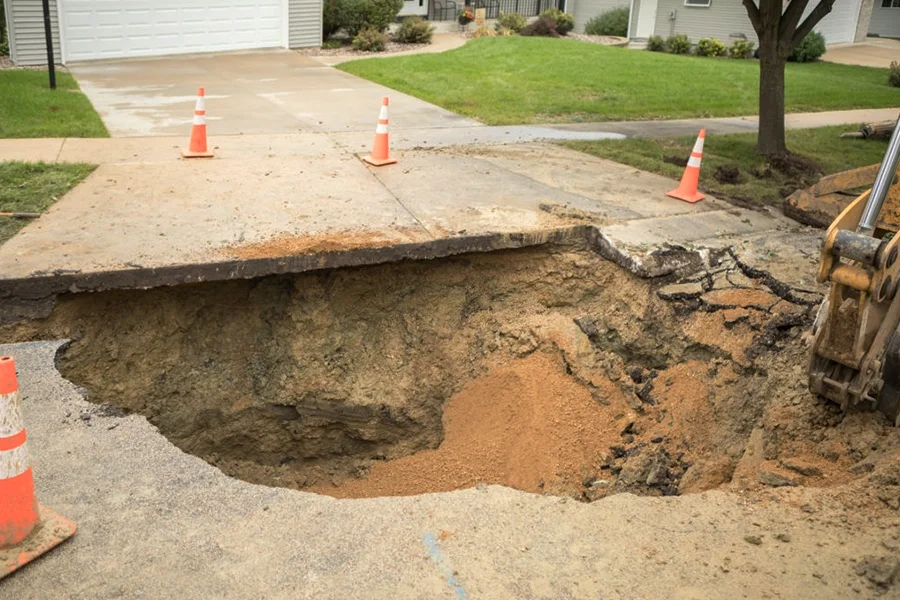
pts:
pixel 706 2
pixel 890 3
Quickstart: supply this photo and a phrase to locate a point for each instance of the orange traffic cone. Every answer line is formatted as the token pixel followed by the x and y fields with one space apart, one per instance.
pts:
pixel 687 189
pixel 26 529
pixel 197 147
pixel 381 148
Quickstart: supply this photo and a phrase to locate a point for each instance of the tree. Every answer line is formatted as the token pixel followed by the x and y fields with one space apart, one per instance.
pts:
pixel 779 29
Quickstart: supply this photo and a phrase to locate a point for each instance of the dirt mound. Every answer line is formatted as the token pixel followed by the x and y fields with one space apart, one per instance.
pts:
pixel 526 424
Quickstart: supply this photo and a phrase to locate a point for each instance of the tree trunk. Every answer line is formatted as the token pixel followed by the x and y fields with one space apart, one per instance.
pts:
pixel 771 104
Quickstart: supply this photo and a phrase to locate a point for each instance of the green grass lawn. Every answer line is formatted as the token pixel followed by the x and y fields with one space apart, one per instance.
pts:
pixel 34 187
pixel 29 108
pixel 757 184
pixel 503 81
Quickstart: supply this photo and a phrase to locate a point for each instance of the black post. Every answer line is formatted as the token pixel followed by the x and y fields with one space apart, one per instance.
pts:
pixel 48 33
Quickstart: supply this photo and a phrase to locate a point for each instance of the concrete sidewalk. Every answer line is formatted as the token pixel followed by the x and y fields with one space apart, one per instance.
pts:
pixel 285 145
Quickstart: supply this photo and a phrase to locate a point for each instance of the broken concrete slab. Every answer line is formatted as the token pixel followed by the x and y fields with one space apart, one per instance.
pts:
pixel 148 224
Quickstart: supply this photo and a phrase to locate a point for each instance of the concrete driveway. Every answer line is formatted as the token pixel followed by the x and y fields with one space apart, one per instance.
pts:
pixel 258 92
pixel 874 52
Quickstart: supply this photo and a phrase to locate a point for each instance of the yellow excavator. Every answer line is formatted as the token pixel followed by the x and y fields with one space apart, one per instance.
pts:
pixel 855 358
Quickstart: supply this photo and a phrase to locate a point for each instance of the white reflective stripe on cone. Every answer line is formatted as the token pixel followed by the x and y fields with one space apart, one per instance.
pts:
pixel 381 128
pixel 694 161
pixel 13 462
pixel 10 415
pixel 201 103
pixel 698 145
pixel 199 120
pixel 383 115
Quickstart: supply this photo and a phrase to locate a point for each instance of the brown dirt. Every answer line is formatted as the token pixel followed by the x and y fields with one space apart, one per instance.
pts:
pixel 526 424
pixel 290 245
pixel 512 367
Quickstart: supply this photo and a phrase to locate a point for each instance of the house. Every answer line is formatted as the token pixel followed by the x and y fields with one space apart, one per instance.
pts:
pixel 849 21
pixel 101 29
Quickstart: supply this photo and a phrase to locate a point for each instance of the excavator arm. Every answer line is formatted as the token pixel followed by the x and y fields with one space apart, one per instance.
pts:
pixel 856 346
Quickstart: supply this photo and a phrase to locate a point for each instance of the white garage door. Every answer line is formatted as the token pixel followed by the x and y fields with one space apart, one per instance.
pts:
pixel 95 29
pixel 838 26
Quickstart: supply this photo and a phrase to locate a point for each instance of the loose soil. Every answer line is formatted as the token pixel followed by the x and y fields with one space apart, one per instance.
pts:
pixel 549 369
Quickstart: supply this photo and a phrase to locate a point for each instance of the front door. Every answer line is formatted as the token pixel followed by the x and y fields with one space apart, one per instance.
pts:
pixel 646 22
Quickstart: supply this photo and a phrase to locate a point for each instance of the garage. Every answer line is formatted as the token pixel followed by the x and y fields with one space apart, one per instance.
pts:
pixel 838 26
pixel 96 29
pixel 111 29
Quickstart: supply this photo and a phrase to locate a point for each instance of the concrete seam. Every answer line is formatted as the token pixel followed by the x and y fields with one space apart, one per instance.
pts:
pixel 400 202
pixel 59 152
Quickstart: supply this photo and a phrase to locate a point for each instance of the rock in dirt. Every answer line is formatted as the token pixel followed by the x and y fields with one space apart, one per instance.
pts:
pixel 706 475
pixel 882 571
pixel 681 291
pixel 753 539
pixel 801 467
pixel 775 479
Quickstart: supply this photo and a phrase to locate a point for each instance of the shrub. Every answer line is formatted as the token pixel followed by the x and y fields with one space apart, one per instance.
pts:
pixel 483 31
pixel 563 20
pixel 414 30
pixel 370 39
pixel 678 44
pixel 741 49
pixel 655 43
pixel 894 77
pixel 809 48
pixel 512 21
pixel 505 32
pixel 611 22
pixel 334 16
pixel 374 14
pixel 542 27
pixel 4 48
pixel 710 47
pixel 332 44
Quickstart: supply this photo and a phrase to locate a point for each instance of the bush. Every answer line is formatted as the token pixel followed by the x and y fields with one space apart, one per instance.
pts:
pixel 894 77
pixel 4 48
pixel 809 48
pixel 710 47
pixel 334 16
pixel 741 49
pixel 655 43
pixel 483 31
pixel 611 22
pixel 374 14
pixel 414 30
pixel 542 27
pixel 563 20
pixel 678 44
pixel 370 39
pixel 505 32
pixel 512 21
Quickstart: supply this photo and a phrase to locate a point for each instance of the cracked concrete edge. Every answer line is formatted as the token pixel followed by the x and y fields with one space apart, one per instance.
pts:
pixel 43 285
pixel 655 262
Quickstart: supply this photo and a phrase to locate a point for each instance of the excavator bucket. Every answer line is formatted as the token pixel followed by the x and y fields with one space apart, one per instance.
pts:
pixel 819 205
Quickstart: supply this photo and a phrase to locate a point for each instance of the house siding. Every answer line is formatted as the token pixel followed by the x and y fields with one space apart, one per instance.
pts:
pixel 585 10
pixel 885 21
pixel 722 19
pixel 28 46
pixel 304 23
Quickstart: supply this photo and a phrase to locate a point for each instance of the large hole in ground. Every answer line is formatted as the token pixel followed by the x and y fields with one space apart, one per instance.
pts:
pixel 548 369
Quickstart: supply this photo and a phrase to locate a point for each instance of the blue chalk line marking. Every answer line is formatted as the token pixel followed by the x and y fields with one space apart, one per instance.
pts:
pixel 434 553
